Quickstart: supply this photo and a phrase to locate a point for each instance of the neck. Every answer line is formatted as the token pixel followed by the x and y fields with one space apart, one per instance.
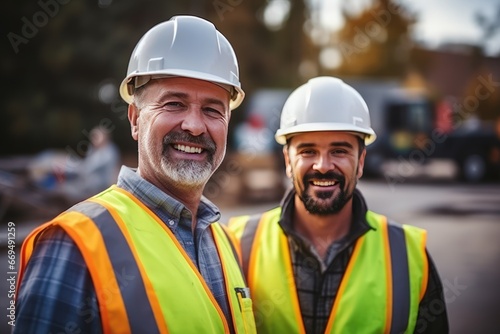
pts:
pixel 189 196
pixel 321 230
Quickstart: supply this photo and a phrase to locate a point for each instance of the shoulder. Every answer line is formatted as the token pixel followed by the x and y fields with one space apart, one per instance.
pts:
pixel 238 223
pixel 376 219
pixel 244 219
pixel 56 281
pixel 54 243
pixel 54 248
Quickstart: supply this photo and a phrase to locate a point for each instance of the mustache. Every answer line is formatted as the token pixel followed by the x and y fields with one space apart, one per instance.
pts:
pixel 330 175
pixel 204 141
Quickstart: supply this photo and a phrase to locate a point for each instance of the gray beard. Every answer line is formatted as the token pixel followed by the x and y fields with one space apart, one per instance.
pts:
pixel 188 173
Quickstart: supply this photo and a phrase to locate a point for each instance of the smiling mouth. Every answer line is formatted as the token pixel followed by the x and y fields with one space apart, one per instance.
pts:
pixel 324 183
pixel 188 149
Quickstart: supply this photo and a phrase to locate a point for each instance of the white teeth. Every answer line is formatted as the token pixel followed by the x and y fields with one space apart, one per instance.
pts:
pixel 187 149
pixel 324 183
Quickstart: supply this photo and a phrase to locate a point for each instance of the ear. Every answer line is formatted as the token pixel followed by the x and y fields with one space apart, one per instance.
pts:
pixel 133 115
pixel 361 163
pixel 288 168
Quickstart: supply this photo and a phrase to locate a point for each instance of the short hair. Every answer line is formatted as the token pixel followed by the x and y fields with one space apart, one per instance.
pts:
pixel 361 145
pixel 138 100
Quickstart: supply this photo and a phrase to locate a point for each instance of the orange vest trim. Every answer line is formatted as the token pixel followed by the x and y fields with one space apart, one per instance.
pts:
pixel 343 285
pixel 425 279
pixel 290 283
pixel 388 274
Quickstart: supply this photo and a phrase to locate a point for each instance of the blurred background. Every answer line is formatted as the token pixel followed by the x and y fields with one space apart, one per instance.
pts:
pixel 429 71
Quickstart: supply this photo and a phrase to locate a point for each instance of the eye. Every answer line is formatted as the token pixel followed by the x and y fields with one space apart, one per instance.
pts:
pixel 173 105
pixel 307 152
pixel 339 151
pixel 213 112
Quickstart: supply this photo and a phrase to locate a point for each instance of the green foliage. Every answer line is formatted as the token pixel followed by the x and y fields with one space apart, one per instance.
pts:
pixel 376 43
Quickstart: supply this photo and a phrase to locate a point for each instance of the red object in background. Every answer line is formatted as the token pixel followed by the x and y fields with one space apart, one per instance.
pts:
pixel 444 116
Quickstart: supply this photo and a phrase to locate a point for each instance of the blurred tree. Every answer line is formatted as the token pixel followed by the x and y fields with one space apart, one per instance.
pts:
pixel 490 28
pixel 482 98
pixel 62 62
pixel 489 107
pixel 376 42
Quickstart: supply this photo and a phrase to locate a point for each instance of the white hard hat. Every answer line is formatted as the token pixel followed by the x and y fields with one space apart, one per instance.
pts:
pixel 185 46
pixel 325 104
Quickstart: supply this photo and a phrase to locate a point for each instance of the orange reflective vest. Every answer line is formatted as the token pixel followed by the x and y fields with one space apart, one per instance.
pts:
pixel 144 280
pixel 380 291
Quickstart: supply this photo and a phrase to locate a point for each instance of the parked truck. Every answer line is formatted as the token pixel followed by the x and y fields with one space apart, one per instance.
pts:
pixel 415 129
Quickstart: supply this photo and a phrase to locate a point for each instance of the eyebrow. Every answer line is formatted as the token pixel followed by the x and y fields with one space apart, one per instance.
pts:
pixel 182 95
pixel 332 144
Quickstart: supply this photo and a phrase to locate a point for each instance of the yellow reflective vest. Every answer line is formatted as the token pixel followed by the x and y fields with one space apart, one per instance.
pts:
pixel 144 280
pixel 380 291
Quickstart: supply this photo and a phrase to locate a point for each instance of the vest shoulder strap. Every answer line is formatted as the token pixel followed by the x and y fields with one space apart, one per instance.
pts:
pixel 230 241
pixel 247 240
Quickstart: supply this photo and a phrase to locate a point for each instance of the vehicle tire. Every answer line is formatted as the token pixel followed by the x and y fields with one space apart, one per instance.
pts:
pixel 473 168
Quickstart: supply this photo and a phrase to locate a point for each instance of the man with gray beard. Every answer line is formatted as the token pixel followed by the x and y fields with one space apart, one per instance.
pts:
pixel 148 255
pixel 322 262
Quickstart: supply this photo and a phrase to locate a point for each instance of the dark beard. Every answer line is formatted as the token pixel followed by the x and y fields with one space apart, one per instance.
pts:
pixel 315 206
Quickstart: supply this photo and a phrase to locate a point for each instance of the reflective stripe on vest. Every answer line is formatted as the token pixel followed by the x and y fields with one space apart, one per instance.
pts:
pixel 392 295
pixel 129 276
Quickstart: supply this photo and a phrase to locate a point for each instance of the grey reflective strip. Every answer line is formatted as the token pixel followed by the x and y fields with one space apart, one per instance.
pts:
pixel 247 240
pixel 235 253
pixel 400 279
pixel 128 276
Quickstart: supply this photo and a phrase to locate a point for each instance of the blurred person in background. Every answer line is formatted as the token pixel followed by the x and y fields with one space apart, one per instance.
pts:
pixel 97 171
pixel 101 164
pixel 147 255
pixel 74 178
pixel 322 262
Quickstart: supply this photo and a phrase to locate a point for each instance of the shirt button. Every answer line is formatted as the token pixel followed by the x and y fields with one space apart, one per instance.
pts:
pixel 171 222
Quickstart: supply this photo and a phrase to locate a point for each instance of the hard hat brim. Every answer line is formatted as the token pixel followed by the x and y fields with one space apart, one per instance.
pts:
pixel 282 135
pixel 233 104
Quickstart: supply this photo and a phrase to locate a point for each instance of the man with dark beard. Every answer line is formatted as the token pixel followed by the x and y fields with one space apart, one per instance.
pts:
pixel 322 262
pixel 147 255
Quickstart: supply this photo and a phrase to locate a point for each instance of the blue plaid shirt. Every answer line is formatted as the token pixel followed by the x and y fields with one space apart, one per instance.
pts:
pixel 57 294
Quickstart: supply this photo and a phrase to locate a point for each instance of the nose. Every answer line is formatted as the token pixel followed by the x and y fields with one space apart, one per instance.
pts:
pixel 324 163
pixel 194 122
